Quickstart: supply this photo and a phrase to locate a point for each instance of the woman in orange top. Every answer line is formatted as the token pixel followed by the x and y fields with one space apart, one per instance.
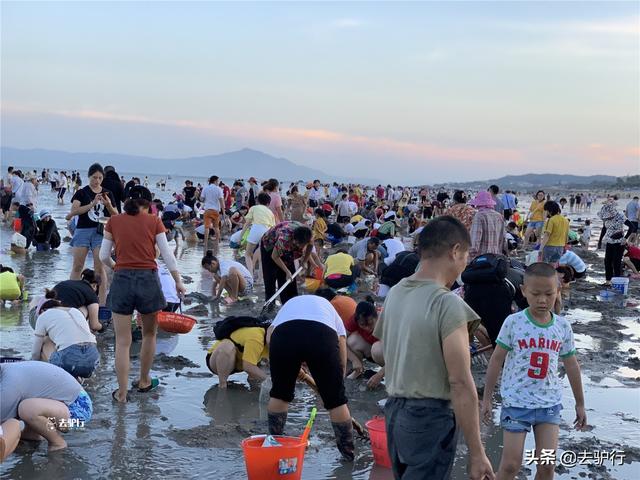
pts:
pixel 136 286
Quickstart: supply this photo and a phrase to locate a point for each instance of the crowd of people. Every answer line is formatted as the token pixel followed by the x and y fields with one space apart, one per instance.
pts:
pixel 445 264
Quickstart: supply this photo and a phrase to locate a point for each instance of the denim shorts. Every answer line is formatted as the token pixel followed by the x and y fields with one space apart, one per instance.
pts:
pixel 81 408
pixel 136 290
pixel 86 238
pixel 79 360
pixel 536 224
pixel 520 420
pixel 552 254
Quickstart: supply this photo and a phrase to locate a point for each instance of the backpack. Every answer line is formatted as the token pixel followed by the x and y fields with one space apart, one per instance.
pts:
pixel 487 268
pixel 224 328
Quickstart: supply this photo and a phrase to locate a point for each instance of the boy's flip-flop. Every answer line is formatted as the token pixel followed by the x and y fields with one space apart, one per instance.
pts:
pixel 154 383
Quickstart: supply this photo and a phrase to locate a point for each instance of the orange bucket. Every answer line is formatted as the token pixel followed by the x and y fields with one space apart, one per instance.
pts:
pixel 274 463
pixel 175 322
pixel 17 225
pixel 378 433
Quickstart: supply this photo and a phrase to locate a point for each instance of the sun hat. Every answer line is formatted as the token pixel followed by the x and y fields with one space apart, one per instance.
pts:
pixel 483 199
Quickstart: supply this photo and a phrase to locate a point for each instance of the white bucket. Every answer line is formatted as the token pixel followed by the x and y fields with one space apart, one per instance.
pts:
pixel 620 284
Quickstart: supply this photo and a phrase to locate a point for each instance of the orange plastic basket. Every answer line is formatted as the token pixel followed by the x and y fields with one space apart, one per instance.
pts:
pixel 175 322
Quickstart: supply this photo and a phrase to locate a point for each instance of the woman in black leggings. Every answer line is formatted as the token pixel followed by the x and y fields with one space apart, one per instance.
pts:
pixel 308 330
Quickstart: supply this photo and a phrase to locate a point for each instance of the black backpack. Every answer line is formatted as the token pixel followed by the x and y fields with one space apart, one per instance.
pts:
pixel 487 268
pixel 224 328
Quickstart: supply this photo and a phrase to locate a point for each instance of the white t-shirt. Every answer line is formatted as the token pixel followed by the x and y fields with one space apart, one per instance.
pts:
pixel 353 208
pixel 310 307
pixel 530 375
pixel 573 260
pixel 16 183
pixel 168 284
pixel 62 181
pixel 393 247
pixel 225 266
pixel 316 195
pixel 344 209
pixel 64 327
pixel 212 194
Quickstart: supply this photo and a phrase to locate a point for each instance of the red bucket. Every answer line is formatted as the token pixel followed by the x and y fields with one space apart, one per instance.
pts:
pixel 378 434
pixel 17 225
pixel 274 463
pixel 175 322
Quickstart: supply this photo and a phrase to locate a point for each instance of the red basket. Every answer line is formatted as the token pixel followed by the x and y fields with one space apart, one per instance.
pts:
pixel 175 322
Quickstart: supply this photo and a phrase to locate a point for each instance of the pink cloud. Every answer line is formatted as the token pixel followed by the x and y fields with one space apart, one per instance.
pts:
pixel 309 139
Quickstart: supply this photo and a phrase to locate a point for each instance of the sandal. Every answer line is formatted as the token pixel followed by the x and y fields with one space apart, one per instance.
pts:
pixel 113 395
pixel 154 384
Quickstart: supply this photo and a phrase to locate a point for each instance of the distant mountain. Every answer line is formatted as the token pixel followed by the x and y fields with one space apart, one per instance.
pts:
pixel 531 180
pixel 240 164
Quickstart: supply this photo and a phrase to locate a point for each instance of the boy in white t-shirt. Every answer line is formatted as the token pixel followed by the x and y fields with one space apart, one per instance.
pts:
pixel 529 344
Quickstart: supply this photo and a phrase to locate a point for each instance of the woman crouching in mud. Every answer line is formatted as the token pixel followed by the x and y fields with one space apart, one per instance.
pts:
pixel 135 283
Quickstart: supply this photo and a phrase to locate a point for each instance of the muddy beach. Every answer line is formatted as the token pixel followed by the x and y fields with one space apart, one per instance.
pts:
pixel 189 428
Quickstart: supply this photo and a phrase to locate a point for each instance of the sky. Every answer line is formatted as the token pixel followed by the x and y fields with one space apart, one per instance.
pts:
pixel 411 93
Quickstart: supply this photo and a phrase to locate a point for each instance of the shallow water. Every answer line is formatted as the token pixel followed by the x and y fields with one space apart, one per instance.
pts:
pixel 188 428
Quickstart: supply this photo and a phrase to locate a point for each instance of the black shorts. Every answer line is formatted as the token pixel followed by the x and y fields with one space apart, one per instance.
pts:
pixel 61 192
pixel 316 344
pixel 136 290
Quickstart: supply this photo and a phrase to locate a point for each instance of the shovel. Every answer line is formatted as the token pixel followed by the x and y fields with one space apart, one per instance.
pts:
pixel 280 290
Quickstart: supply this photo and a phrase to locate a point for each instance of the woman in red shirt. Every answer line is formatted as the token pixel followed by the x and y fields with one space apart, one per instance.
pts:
pixel 136 286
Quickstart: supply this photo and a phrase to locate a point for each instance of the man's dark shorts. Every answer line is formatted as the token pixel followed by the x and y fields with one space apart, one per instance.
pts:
pixel 421 437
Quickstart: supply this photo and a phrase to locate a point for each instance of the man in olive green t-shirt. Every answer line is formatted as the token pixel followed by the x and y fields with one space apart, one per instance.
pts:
pixel 424 331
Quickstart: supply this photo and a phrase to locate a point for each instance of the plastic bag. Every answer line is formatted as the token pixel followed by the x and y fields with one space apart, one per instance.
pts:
pixel 19 240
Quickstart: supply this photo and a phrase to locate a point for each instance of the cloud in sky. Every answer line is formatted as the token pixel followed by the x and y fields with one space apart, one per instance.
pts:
pixel 399 160
pixel 346 23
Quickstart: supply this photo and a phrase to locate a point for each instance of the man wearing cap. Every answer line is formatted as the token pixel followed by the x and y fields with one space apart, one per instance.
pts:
pixel 47 236
pixel 487 228
pixel 388 228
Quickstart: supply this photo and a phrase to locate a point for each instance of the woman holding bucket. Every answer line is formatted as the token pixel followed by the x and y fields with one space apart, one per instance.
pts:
pixel 308 329
pixel 136 285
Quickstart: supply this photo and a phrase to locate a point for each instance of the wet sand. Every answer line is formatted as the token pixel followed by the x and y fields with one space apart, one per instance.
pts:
pixel 189 428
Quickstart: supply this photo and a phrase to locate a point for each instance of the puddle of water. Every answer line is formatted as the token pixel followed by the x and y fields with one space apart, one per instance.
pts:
pixel 628 372
pixel 581 315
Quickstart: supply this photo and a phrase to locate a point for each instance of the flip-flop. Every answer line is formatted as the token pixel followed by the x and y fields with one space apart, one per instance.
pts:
pixel 113 395
pixel 154 384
